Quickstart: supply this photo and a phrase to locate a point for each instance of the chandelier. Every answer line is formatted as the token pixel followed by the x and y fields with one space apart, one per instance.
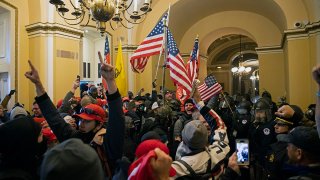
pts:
pixel 255 75
pixel 101 11
pixel 240 69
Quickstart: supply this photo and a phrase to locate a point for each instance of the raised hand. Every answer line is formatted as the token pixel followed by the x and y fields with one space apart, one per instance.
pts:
pixel 195 93
pixel 285 111
pixel 75 85
pixel 107 71
pixel 12 92
pixel 316 74
pixel 154 83
pixel 161 164
pixel 33 74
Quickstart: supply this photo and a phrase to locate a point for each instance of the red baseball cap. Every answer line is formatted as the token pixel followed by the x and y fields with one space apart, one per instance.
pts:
pixel 92 112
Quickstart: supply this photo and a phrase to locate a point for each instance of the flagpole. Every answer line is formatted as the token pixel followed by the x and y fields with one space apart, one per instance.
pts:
pixel 155 77
pixel 165 28
pixel 226 100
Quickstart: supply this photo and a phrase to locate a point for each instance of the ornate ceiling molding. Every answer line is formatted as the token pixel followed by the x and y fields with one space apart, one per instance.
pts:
pixel 55 29
pixel 303 32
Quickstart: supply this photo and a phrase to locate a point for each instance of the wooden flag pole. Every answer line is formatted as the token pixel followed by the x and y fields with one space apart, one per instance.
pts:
pixel 165 57
pixel 226 100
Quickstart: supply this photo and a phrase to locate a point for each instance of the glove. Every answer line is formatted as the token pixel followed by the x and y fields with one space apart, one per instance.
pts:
pixel 12 92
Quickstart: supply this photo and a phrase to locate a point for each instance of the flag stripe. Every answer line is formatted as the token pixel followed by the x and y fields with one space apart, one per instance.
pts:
pixel 177 69
pixel 147 52
pixel 192 65
pixel 209 88
pixel 151 45
pixel 178 72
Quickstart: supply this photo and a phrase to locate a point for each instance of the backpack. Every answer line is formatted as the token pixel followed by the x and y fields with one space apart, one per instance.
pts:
pixel 210 173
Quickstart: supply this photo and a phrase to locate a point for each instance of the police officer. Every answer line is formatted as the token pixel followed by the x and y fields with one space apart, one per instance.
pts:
pixel 268 97
pixel 243 120
pixel 226 111
pixel 261 135
pixel 278 153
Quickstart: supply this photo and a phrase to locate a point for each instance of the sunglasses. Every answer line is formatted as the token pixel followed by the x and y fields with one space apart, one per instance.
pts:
pixel 89 111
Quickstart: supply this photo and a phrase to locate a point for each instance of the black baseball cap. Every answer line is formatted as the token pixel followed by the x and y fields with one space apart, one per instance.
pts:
pixel 306 138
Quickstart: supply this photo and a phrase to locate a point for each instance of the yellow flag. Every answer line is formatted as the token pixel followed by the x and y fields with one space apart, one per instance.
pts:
pixel 120 73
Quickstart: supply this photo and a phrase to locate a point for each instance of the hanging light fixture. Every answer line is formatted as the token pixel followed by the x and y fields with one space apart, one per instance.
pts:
pixel 255 75
pixel 241 69
pixel 102 11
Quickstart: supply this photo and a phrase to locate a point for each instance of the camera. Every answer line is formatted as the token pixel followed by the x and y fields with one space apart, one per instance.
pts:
pixel 298 24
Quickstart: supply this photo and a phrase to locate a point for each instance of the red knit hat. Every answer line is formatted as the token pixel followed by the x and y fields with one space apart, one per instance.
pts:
pixel 141 169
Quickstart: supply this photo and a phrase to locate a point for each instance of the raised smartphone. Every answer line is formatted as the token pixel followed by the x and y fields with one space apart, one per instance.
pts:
pixel 242 146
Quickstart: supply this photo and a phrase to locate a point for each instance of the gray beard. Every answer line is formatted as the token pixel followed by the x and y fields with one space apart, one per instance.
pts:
pixel 259 120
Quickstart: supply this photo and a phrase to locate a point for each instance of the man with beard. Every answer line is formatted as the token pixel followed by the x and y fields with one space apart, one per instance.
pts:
pixel 303 153
pixel 261 135
pixel 109 146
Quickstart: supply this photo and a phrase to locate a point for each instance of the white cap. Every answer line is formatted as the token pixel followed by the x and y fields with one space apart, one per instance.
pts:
pixel 154 106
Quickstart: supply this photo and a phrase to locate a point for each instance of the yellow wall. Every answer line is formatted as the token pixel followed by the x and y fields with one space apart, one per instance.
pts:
pixel 65 69
pixel 299 72
pixel 272 74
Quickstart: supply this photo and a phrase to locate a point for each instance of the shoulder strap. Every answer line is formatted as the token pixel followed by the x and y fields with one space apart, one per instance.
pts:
pixel 192 172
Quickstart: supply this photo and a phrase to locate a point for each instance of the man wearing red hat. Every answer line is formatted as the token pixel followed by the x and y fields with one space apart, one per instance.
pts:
pixel 108 142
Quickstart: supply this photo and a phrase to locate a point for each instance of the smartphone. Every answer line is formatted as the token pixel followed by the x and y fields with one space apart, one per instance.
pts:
pixel 242 146
pixel 78 77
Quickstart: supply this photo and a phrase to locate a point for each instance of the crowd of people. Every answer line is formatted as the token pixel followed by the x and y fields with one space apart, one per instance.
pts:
pixel 106 135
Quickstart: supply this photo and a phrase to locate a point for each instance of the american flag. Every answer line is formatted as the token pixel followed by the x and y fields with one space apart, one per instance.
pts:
pixel 193 62
pixel 178 72
pixel 151 45
pixel 209 88
pixel 107 51
pixel 107 58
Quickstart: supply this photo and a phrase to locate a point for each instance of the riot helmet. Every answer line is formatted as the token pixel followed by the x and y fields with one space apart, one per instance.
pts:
pixel 311 112
pixel 262 111
pixel 243 107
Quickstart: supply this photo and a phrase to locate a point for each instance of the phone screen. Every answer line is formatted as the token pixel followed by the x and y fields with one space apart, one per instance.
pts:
pixel 243 151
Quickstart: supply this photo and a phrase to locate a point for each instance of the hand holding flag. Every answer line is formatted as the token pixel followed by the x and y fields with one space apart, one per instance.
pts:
pixel 209 88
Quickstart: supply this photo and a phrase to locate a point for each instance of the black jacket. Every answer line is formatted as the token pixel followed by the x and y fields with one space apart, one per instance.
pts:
pixel 114 138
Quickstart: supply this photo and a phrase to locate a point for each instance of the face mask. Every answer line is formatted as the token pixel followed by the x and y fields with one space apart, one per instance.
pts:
pixel 242 111
pixel 141 108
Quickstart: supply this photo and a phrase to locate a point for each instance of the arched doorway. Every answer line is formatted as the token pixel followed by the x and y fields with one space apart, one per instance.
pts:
pixel 233 51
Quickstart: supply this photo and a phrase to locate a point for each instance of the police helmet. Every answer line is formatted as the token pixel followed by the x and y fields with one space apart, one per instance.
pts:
pixel 311 112
pixel 266 94
pixel 261 104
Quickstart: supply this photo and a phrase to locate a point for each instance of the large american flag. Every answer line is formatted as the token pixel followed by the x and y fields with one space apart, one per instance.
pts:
pixel 178 72
pixel 193 62
pixel 209 88
pixel 107 58
pixel 152 45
